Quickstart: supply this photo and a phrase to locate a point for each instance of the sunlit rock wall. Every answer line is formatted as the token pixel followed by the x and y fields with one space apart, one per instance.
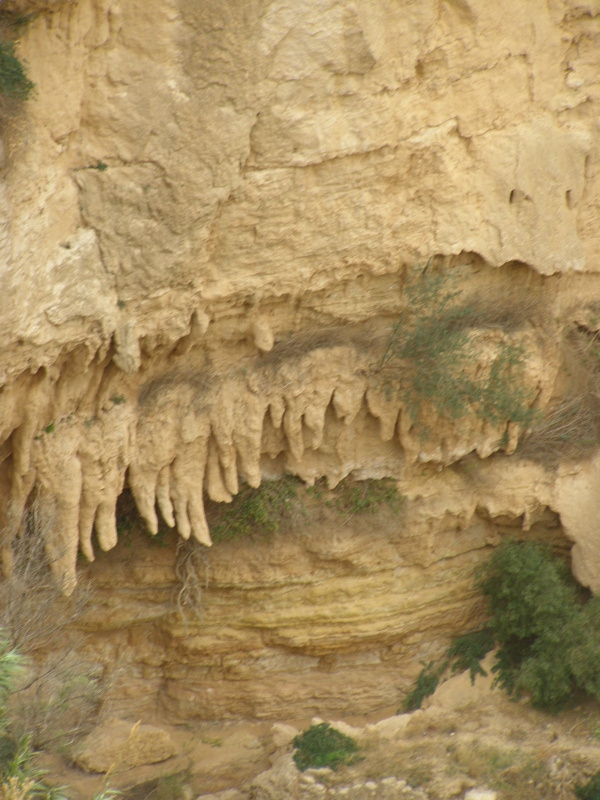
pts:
pixel 208 215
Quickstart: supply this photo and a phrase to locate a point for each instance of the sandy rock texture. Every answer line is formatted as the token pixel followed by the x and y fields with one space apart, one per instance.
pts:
pixel 209 216
pixel 333 614
pixel 467 743
pixel 117 744
pixel 192 186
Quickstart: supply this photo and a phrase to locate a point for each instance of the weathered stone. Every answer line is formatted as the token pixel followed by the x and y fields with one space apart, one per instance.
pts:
pixel 117 744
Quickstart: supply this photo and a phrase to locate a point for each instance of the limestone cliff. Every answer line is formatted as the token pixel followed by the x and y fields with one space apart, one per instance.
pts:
pixel 210 216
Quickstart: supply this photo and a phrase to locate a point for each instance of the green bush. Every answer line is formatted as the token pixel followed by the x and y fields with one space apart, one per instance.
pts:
pixel 534 610
pixel 431 356
pixel 323 746
pixel 547 637
pixel 13 78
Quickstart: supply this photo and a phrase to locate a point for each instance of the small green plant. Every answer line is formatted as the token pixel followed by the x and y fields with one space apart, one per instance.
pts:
pixel 50 428
pixel 101 166
pixel 14 82
pixel 589 790
pixel 19 778
pixel 323 746
pixel 432 360
pixel 253 512
pixel 366 497
pixel 117 399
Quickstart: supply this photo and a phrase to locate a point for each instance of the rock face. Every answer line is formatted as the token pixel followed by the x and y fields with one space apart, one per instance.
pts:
pixel 212 214
pixel 119 745
pixel 332 614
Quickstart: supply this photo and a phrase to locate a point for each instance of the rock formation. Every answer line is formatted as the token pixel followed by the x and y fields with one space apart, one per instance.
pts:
pixel 211 215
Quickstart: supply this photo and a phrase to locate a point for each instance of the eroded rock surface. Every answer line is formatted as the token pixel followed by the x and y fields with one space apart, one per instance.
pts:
pixel 211 214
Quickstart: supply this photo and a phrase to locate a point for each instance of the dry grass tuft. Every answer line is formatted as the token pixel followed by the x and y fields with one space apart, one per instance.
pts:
pixel 570 428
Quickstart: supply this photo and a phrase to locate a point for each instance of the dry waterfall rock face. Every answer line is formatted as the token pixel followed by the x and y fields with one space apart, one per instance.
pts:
pixel 208 220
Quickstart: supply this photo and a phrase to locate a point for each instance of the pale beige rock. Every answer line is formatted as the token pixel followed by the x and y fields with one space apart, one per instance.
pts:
pixel 283 734
pixel 460 691
pixel 282 780
pixel 223 241
pixel 577 499
pixel 117 745
pixel 391 727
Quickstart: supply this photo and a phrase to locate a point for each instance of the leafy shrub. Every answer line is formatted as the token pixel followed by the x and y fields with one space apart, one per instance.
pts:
pixel 528 590
pixel 323 746
pixel 533 607
pixel 432 349
pixel 13 78
pixel 548 640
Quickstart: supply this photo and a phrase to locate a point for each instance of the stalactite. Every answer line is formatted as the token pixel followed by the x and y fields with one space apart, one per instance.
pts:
pixel 194 432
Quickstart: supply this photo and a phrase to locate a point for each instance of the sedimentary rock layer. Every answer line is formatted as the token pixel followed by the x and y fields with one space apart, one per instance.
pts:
pixel 208 217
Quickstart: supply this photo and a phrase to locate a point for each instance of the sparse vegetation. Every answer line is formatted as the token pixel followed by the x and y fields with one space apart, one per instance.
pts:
pixel 427 682
pixel 434 361
pixel 570 427
pixel 54 701
pixel 366 497
pixel 253 512
pixel 271 508
pixel 465 652
pixel 468 651
pixel 19 778
pixel 323 746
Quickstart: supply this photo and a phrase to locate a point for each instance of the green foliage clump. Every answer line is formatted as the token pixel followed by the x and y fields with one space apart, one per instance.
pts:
pixel 589 790
pixel 469 650
pixel 365 497
pixel 254 512
pixel 323 746
pixel 433 358
pixel 535 614
pixel 14 82
pixel 547 638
